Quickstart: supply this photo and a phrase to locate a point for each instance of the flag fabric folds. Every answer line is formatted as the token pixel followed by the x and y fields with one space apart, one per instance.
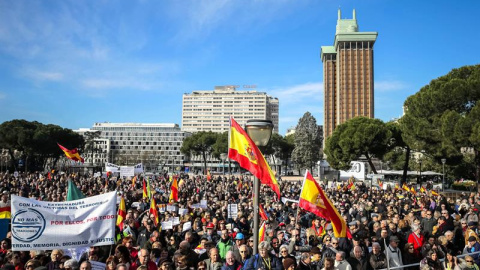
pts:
pixel 134 181
pixel 434 193
pixel 145 192
pixel 380 184
pixel 405 187
pixel 153 211
pixel 243 150
pixel 71 154
pixel 174 191
pixel 122 213
pixel 412 190
pixel 261 233
pixel 5 212
pixel 209 176
pixel 314 200
pixel 351 184
pixel 422 190
pixel 73 192
pixel 262 212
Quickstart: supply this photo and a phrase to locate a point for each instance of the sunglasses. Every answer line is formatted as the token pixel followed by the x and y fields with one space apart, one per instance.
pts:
pixel 469 261
pixel 334 243
pixel 243 251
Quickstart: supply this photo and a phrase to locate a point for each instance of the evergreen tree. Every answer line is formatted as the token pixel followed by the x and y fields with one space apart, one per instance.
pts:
pixel 308 142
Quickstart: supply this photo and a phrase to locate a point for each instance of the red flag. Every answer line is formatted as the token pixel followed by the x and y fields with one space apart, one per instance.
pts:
pixel 261 233
pixel 242 149
pixel 209 176
pixel 153 210
pixel 262 212
pixel 145 192
pixel 314 199
pixel 174 191
pixel 134 180
pixel 122 214
pixel 71 154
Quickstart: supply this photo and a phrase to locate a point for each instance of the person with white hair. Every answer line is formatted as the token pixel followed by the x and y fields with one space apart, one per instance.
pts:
pixel 377 260
pixel 340 262
pixel 264 259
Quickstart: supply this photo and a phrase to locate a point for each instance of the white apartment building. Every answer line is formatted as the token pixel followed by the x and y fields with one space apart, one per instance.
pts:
pixel 210 110
pixel 156 145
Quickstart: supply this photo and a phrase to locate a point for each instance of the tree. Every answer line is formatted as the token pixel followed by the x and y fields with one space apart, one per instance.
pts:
pixel 308 142
pixel 359 136
pixel 443 118
pixel 200 143
pixel 280 147
pixel 221 145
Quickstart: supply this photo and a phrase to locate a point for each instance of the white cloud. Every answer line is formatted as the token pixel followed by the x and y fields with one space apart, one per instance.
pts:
pixel 389 86
pixel 311 91
pixel 38 75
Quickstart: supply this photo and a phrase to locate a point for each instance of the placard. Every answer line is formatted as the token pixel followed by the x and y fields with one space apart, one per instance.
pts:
pixel 175 221
pixel 167 225
pixel 126 171
pixel 187 226
pixel 182 211
pixel 232 211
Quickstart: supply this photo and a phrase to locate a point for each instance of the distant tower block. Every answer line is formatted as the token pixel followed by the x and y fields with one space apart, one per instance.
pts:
pixel 348 74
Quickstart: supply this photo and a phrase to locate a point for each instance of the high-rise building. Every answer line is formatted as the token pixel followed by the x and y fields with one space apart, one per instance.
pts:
pixel 348 74
pixel 210 110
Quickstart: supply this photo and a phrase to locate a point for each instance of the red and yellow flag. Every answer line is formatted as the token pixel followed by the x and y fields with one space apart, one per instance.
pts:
pixel 351 184
pixel 261 233
pixel 412 190
pixel 209 176
pixel 380 184
pixel 145 192
pixel 122 214
pixel 153 211
pixel 5 212
pixel 422 190
pixel 174 191
pixel 262 212
pixel 434 193
pixel 314 200
pixel 71 154
pixel 397 186
pixel 243 150
pixel 134 181
pixel 405 187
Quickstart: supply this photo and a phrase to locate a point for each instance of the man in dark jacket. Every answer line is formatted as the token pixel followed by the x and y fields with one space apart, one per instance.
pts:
pixel 427 223
pixel 358 261
pixel 377 259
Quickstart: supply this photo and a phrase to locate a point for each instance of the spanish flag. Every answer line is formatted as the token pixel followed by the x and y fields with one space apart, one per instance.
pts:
pixel 314 200
pixel 145 192
pixel 243 150
pixel 351 185
pixel 134 181
pixel 412 190
pixel 209 176
pixel 71 154
pixel 380 184
pixel 434 193
pixel 405 187
pixel 5 212
pixel 422 189
pixel 174 191
pixel 261 233
pixel 397 186
pixel 262 212
pixel 153 211
pixel 122 214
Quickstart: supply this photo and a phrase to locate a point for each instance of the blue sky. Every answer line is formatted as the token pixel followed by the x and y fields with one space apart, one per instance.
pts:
pixel 73 63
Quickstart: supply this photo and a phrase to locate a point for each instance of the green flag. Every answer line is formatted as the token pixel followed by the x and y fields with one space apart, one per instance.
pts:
pixel 73 192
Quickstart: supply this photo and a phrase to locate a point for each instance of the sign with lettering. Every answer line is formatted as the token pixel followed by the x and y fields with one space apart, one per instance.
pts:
pixel 63 225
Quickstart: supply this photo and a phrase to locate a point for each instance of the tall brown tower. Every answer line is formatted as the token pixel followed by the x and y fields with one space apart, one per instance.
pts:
pixel 348 74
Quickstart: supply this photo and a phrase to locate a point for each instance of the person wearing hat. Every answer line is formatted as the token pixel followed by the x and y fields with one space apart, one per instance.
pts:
pixel 239 240
pixel 144 234
pixel 394 254
pixel 470 231
pixel 211 233
pixel 316 255
pixel 289 264
pixel 473 246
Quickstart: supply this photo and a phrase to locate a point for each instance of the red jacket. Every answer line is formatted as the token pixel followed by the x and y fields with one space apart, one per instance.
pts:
pixel 417 242
pixel 150 265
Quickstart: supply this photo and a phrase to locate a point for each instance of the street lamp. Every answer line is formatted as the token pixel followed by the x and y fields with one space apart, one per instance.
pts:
pixel 443 174
pixel 260 132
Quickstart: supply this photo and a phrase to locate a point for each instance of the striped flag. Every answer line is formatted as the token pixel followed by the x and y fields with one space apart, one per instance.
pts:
pixel 153 210
pixel 262 212
pixel 242 149
pixel 5 212
pixel 422 190
pixel 71 154
pixel 380 184
pixel 209 176
pixel 134 181
pixel 174 191
pixel 122 214
pixel 261 233
pixel 314 200
pixel 145 192
pixel 412 190
pixel 405 187
pixel 434 193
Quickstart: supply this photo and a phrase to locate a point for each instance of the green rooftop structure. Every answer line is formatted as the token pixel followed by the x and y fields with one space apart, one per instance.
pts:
pixel 348 74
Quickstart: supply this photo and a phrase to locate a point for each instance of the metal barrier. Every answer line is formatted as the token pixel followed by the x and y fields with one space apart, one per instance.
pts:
pixel 418 264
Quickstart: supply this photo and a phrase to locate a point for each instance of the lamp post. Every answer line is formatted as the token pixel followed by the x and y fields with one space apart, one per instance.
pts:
pixel 260 132
pixel 223 157
pixel 443 173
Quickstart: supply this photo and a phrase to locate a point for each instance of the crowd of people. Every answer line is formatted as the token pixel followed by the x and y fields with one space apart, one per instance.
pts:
pixel 388 228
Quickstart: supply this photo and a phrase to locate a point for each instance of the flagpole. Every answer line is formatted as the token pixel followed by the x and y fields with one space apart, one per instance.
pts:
pixel 256 192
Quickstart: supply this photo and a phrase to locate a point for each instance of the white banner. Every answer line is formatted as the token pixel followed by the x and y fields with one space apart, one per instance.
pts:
pixel 62 225
pixel 138 168
pixel 127 171
pixel 110 167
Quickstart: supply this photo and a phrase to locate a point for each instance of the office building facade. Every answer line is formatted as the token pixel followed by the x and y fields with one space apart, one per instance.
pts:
pixel 348 74
pixel 155 145
pixel 210 110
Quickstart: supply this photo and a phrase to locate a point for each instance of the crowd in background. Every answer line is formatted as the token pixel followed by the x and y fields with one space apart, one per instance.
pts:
pixel 387 227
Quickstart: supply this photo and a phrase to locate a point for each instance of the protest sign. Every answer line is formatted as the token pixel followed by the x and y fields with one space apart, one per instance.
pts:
pixel 126 171
pixel 62 225
pixel 182 211
pixel 110 167
pixel 171 208
pixel 232 211
pixel 175 221
pixel 97 265
pixel 187 226
pixel 138 169
pixel 167 225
